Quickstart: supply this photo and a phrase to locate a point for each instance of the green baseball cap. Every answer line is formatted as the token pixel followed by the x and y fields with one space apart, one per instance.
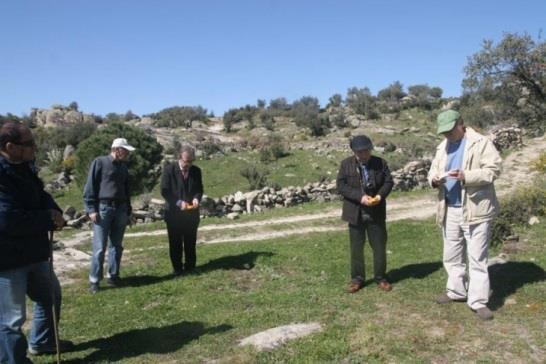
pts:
pixel 446 121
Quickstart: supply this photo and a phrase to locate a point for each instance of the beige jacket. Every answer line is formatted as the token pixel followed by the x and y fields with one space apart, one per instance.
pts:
pixel 481 166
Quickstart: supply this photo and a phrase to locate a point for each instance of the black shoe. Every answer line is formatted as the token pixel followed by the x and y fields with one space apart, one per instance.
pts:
pixel 113 282
pixel 177 273
pixel 93 287
pixel 64 346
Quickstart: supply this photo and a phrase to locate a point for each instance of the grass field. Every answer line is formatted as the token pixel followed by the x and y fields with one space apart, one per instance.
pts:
pixel 242 288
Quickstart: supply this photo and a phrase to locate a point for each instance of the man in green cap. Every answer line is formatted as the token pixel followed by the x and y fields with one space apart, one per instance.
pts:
pixel 463 171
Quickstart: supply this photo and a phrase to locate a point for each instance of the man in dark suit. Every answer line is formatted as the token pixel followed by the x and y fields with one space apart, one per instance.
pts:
pixel 365 181
pixel 182 189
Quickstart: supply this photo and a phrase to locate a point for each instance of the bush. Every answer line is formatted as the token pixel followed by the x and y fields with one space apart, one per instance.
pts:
pixel 54 160
pixel 518 208
pixel 273 149
pixel 539 165
pixel 144 162
pixel 256 178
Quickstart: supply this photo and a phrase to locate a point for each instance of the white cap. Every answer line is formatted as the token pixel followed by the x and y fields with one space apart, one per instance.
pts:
pixel 122 143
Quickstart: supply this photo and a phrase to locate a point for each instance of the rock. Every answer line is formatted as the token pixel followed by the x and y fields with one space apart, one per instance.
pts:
pixel 157 202
pixel 272 338
pixel 237 208
pixel 534 220
pixel 233 215
pixel 68 151
pixel 238 197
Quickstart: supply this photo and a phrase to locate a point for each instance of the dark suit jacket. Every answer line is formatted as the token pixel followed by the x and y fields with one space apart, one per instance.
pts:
pixel 25 218
pixel 349 185
pixel 173 187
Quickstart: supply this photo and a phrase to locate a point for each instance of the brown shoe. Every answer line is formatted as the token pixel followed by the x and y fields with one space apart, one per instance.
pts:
pixel 354 287
pixel 384 286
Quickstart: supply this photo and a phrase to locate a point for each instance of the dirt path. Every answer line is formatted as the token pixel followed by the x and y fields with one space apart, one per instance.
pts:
pixel 516 172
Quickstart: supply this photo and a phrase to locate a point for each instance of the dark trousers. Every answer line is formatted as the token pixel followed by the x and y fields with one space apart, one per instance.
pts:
pixel 377 235
pixel 182 232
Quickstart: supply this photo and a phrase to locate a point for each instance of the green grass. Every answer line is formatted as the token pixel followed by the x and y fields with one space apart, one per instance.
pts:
pixel 243 288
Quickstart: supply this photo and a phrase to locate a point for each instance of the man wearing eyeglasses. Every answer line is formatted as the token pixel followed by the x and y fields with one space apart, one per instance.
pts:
pixel 182 189
pixel 27 214
pixel 108 204
pixel 365 181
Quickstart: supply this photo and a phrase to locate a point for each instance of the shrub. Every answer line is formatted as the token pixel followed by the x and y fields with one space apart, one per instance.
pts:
pixel 144 162
pixel 518 208
pixel 54 160
pixel 273 149
pixel 539 164
pixel 256 178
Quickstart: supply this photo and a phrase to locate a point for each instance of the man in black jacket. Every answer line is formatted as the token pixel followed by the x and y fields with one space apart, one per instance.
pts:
pixel 27 214
pixel 365 181
pixel 182 189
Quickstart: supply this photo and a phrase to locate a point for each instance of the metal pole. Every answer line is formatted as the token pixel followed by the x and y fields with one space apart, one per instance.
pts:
pixel 53 310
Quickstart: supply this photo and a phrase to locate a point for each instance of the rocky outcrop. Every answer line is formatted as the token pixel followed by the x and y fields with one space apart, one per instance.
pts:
pixel 59 115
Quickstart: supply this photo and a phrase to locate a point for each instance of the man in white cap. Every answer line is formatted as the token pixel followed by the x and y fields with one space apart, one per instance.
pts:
pixel 463 170
pixel 108 204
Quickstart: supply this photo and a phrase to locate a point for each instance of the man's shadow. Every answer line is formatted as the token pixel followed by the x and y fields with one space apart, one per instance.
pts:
pixel 156 340
pixel 244 261
pixel 507 278
pixel 417 271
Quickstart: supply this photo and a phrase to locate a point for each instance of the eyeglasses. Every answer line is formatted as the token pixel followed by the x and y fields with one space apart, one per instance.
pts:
pixel 28 143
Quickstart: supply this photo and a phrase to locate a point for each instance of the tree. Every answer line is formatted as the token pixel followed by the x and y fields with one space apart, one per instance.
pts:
pixel 177 116
pixel 305 112
pixel 514 70
pixel 362 102
pixel 144 162
pixel 436 92
pixel 335 100
pixel 73 106
pixel 392 93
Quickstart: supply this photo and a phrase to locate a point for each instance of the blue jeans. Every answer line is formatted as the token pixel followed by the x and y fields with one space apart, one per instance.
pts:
pixel 35 281
pixel 109 228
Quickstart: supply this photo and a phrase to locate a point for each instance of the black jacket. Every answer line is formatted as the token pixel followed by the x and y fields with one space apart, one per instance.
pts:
pixel 173 187
pixel 349 185
pixel 25 218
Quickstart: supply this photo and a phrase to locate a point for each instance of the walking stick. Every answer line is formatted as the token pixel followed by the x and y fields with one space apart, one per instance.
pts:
pixel 52 278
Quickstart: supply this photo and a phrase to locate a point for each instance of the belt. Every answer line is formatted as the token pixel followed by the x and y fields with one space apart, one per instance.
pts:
pixel 113 203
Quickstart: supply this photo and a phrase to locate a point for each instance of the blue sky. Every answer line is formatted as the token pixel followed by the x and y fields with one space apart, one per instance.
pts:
pixel 119 55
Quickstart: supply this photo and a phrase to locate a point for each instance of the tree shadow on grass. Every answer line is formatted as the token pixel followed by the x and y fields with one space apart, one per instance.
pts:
pixel 507 278
pixel 244 261
pixel 417 270
pixel 152 340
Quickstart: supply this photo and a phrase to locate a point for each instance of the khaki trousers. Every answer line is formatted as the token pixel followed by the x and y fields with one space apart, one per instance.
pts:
pixel 462 244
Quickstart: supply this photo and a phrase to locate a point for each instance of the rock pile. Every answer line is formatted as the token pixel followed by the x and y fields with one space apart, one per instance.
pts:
pixel 507 137
pixel 412 176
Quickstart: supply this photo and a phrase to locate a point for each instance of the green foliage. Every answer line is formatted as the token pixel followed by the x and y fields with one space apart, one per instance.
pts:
pixel 54 160
pixel 73 106
pixel 305 112
pixel 177 116
pixel 362 102
pixel 517 208
pixel 236 115
pixel 272 149
pixel 257 178
pixel 144 162
pixel 510 78
pixel 539 165
pixel 335 100
pixel 392 93
pixel 58 138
